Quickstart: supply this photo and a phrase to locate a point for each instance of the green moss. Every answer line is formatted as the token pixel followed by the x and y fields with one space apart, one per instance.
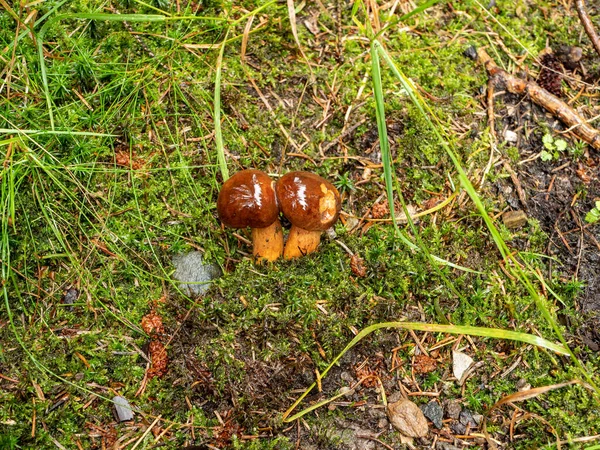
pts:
pixel 83 218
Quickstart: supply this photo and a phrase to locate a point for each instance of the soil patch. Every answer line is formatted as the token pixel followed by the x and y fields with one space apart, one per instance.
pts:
pixel 559 195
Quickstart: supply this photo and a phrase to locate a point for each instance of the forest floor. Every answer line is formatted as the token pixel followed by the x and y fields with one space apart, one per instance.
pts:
pixel 112 164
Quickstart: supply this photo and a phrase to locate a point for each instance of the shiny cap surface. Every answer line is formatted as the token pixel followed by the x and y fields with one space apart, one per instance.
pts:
pixel 247 199
pixel 308 200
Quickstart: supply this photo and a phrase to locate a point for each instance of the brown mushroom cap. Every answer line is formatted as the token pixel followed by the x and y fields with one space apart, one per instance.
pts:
pixel 247 199
pixel 309 201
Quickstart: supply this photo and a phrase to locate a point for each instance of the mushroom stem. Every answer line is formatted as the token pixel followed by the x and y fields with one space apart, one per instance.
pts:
pixel 267 242
pixel 301 242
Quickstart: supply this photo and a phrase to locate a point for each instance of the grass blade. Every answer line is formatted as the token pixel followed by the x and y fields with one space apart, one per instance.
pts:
pixel 55 132
pixel 388 168
pixel 384 143
pixel 217 114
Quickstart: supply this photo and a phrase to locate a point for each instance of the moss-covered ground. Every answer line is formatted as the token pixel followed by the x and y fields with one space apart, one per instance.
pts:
pixel 110 168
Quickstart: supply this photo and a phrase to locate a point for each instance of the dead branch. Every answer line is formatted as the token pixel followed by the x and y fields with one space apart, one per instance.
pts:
pixel 543 98
pixel 587 24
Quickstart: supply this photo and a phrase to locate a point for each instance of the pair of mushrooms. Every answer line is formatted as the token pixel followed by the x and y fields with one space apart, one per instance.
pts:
pixel 251 199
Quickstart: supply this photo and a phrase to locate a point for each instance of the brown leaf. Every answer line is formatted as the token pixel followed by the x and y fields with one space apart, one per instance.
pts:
pixel 531 393
pixel 292 17
pixel 407 418
pixel 369 372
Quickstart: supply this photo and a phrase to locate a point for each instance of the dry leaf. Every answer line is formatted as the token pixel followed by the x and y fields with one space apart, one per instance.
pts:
pixel 407 418
pixel 292 17
pixel 531 393
pixel 460 364
pixel 124 159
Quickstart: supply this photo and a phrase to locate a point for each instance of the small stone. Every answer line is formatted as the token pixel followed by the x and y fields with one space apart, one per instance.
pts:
pixel 195 275
pixel 383 423
pixel 445 446
pixel 514 219
pixel 470 52
pixel 510 136
pixel 347 377
pixel 346 391
pixel 460 364
pixel 523 385
pixel 123 409
pixel 467 419
pixel 453 410
pixel 457 427
pixel 394 397
pixel 570 56
pixel 407 418
pixel 351 223
pixel 70 297
pixel 434 412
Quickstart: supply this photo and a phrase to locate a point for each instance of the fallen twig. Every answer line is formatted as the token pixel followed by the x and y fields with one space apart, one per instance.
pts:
pixel 543 98
pixel 587 24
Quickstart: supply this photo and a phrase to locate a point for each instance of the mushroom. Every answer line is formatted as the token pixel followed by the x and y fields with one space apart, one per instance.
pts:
pixel 247 199
pixel 312 205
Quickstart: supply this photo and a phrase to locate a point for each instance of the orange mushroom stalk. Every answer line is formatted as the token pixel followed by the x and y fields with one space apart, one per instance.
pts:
pixel 312 205
pixel 247 199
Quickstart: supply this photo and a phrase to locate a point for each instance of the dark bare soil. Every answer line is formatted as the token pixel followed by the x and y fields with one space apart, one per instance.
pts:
pixel 571 238
pixel 559 194
pixel 574 241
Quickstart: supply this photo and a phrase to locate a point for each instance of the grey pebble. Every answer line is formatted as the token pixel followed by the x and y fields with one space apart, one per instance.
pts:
pixel 445 446
pixel 383 423
pixel 70 296
pixel 466 418
pixel 123 409
pixel 453 410
pixel 347 377
pixel 195 275
pixel 457 427
pixel 434 412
